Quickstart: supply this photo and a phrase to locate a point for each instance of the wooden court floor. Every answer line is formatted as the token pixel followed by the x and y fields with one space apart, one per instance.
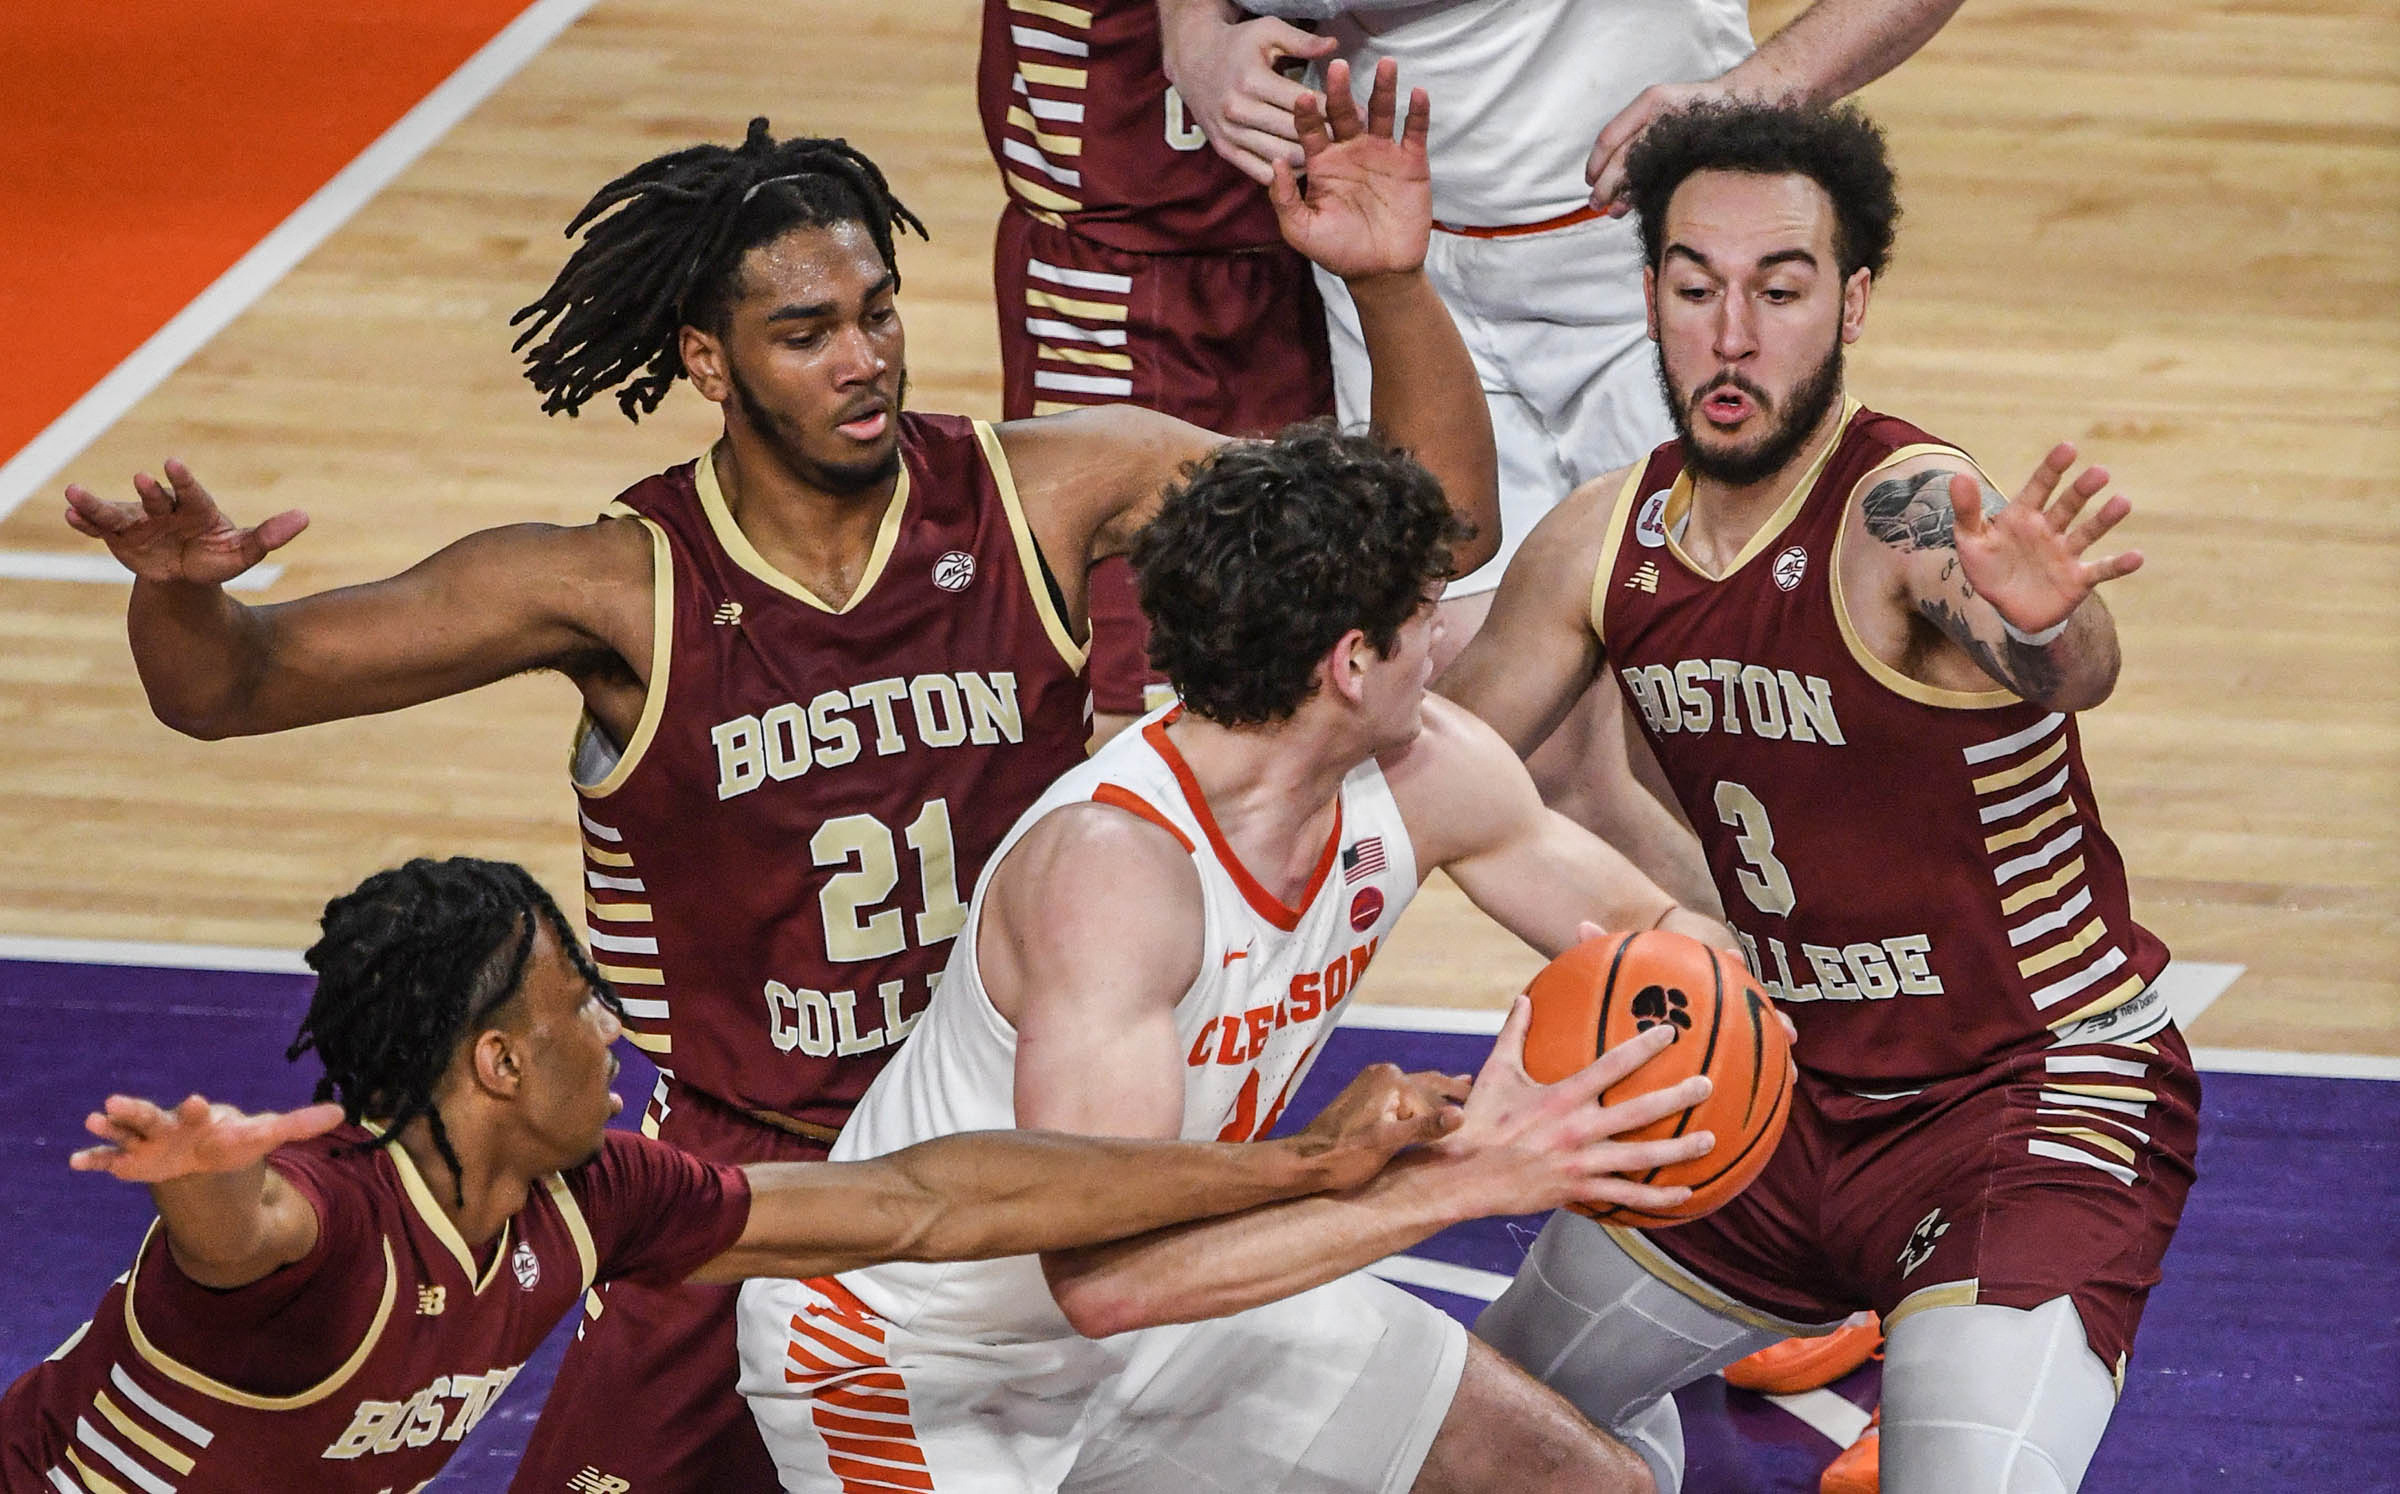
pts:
pixel 2168 231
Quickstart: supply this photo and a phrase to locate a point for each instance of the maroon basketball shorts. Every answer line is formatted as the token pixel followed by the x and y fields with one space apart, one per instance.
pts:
pixel 1232 342
pixel 646 1397
pixel 2059 1173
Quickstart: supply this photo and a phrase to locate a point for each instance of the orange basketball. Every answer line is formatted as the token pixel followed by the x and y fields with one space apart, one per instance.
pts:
pixel 1606 991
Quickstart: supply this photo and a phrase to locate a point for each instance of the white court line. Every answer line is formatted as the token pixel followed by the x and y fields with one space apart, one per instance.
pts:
pixel 155 956
pixel 53 565
pixel 2295 1065
pixel 291 241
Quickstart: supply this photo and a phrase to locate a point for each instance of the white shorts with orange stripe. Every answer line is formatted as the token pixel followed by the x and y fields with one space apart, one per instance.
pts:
pixel 1334 1391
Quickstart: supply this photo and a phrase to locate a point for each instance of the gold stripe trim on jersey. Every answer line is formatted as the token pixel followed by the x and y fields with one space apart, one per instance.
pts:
pixel 1090 311
pixel 192 1379
pixel 1945 1294
pixel 1029 554
pixel 2132 986
pixel 91 1479
pixel 650 1042
pixel 2058 954
pixel 654 695
pixel 1051 77
pixel 420 1196
pixel 1088 357
pixel 2108 1144
pixel 1679 503
pixel 1056 406
pixel 579 1229
pixel 745 554
pixel 632 975
pixel 2101 1091
pixel 1612 539
pixel 1043 141
pixel 1655 1261
pixel 1040 196
pixel 616 912
pixel 2025 897
pixel 141 1436
pixel 599 857
pixel 1882 673
pixel 2030 828
pixel 2011 777
pixel 1065 15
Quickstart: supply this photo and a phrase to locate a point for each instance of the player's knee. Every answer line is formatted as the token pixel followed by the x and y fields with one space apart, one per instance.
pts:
pixel 1992 1400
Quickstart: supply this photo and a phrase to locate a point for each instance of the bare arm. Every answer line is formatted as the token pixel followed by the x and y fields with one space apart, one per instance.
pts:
pixel 1828 51
pixel 2004 580
pixel 995 1193
pixel 491 605
pixel 1536 652
pixel 230 1219
pixel 1523 1148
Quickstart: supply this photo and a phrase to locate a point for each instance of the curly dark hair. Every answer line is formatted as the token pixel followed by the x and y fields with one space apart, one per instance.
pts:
pixel 410 963
pixel 668 252
pixel 1838 148
pixel 1269 551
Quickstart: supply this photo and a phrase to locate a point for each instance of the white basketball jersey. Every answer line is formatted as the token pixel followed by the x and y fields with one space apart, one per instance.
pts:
pixel 1273 980
pixel 1519 89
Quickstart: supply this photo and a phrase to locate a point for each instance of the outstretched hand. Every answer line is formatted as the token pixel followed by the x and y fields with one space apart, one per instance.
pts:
pixel 1382 1112
pixel 1538 1146
pixel 1368 206
pixel 2027 559
pixel 177 532
pixel 146 1144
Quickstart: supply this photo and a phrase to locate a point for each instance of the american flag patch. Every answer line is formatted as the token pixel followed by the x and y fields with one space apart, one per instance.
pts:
pixel 1363 860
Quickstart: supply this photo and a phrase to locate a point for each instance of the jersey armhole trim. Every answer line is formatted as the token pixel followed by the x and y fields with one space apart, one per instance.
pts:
pixel 1877 670
pixel 1116 796
pixel 662 658
pixel 1611 540
pixel 191 1379
pixel 1029 555
pixel 579 1229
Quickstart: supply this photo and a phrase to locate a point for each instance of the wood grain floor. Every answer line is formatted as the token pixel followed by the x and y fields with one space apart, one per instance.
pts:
pixel 2168 231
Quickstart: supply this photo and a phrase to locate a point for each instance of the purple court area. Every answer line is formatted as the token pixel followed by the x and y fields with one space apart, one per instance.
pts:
pixel 2269 1359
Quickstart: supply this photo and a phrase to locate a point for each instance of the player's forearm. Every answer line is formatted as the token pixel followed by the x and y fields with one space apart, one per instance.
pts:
pixel 1426 398
pixel 199 653
pixel 228 1229
pixel 1836 47
pixel 2073 672
pixel 1220 1266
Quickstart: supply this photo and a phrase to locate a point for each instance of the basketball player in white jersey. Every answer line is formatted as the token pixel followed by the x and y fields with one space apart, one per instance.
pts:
pixel 1163 942
pixel 1535 103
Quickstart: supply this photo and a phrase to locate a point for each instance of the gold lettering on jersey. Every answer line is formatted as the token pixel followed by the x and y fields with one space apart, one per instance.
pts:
pixel 1864 971
pixel 422 1419
pixel 827 1024
pixel 1729 696
pixel 932 710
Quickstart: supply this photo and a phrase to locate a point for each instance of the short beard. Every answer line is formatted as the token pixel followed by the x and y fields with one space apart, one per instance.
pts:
pixel 1743 466
pixel 842 480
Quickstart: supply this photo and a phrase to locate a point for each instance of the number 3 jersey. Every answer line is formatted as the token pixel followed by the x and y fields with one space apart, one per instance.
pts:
pixel 1918 875
pixel 776 864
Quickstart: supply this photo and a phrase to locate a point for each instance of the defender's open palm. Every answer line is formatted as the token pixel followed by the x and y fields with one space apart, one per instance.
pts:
pixel 2027 559
pixel 1539 1146
pixel 177 532
pixel 149 1145
pixel 1368 209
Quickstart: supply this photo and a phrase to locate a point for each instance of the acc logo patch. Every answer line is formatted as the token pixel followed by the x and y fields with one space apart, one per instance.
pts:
pixel 1365 909
pixel 1650 525
pixel 955 571
pixel 1790 566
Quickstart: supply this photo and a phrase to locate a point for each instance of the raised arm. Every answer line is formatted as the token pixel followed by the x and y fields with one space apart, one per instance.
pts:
pixel 1827 52
pixel 493 604
pixel 2005 579
pixel 230 1219
pixel 994 1193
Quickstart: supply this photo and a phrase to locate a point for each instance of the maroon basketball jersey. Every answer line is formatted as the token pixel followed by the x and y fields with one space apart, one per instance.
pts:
pixel 412 1336
pixel 1088 134
pixel 1918 875
pixel 776 863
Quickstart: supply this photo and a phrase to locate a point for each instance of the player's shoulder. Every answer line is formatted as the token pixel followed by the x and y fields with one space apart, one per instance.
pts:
pixel 1566 543
pixel 1453 753
pixel 1114 845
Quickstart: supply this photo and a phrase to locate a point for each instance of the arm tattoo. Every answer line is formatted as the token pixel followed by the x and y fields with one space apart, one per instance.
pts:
pixel 1913 513
pixel 2025 668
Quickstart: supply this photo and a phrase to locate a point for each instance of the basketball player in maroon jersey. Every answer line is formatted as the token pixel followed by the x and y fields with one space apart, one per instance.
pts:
pixel 823 667
pixel 1134 265
pixel 342 1292
pixel 1858 665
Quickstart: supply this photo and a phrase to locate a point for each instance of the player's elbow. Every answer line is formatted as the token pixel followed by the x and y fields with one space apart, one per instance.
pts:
pixel 1097 1302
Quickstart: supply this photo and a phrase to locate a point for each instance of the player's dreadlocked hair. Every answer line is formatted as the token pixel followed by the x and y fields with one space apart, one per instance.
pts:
pixel 410 962
pixel 664 245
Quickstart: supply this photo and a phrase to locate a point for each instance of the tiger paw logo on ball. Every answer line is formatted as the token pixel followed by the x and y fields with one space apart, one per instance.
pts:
pixel 1655 1004
pixel 955 571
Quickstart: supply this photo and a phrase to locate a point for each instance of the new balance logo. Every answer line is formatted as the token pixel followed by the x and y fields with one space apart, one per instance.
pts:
pixel 593 1481
pixel 729 614
pixel 431 1300
pixel 1644 578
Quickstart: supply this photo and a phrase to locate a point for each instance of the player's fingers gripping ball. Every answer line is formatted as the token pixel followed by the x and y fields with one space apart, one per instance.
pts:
pixel 1607 991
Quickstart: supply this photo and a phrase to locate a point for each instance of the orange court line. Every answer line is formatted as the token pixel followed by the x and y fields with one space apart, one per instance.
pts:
pixel 146 145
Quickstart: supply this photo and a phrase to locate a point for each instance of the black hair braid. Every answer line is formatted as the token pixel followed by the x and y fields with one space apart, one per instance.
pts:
pixel 409 963
pixel 662 246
